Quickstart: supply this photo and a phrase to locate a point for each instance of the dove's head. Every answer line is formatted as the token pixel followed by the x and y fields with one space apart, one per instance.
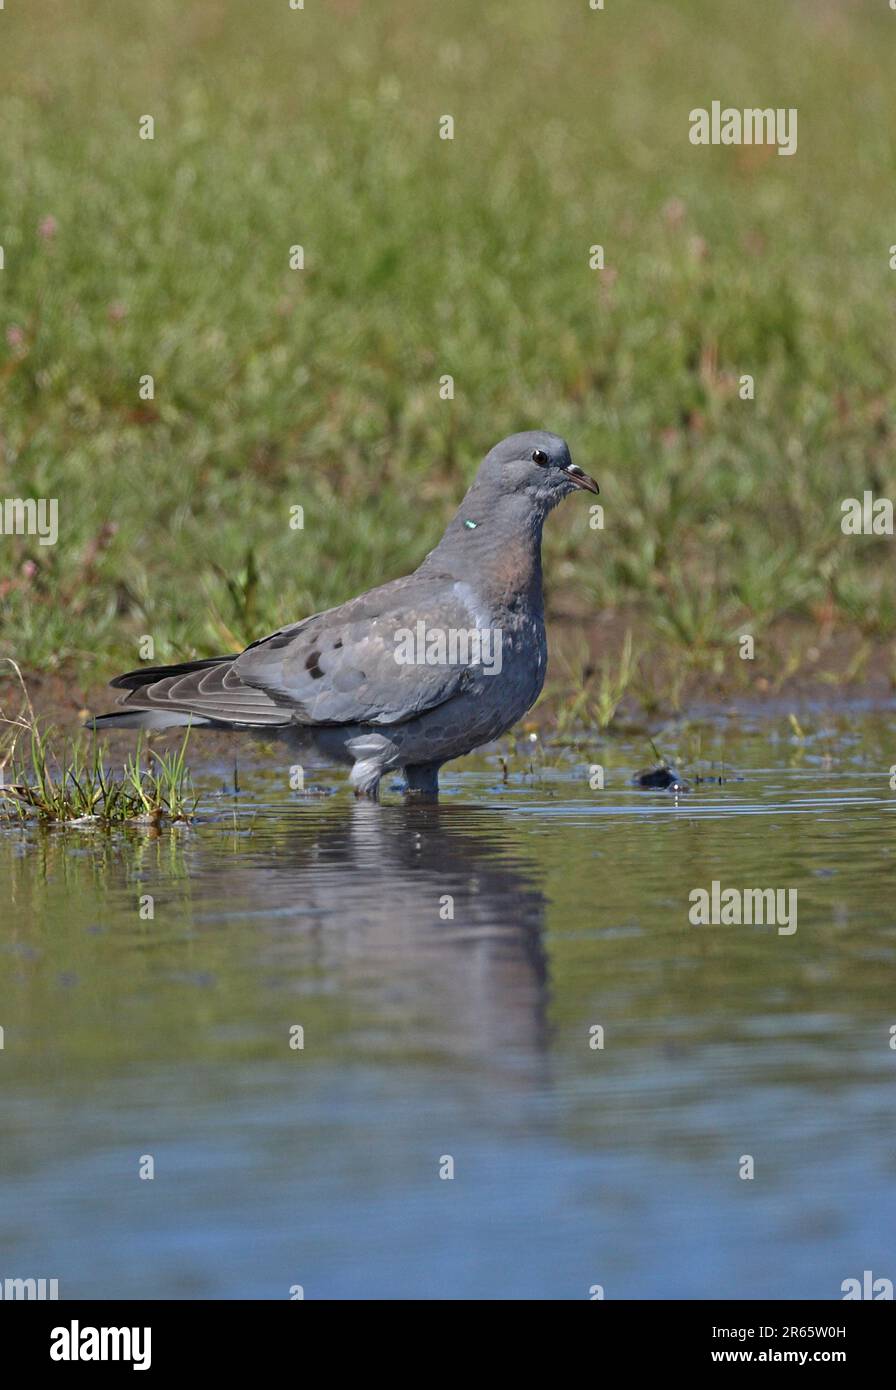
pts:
pixel 537 465
pixel 495 536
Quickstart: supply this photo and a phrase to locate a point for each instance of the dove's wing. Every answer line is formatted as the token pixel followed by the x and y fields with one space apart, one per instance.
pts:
pixel 337 667
pixel 341 666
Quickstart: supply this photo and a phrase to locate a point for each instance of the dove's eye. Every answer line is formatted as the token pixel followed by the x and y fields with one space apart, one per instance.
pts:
pixel 539 457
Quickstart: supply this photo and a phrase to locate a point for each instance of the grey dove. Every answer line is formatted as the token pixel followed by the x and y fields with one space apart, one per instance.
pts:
pixel 414 672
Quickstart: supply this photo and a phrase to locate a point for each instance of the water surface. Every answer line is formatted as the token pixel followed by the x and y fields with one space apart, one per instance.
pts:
pixel 447 967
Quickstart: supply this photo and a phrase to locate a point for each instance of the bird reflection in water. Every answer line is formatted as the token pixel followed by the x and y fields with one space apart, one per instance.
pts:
pixel 429 919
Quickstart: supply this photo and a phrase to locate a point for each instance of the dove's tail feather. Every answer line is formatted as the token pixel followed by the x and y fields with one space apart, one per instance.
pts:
pixel 147 719
pixel 147 675
pixel 202 693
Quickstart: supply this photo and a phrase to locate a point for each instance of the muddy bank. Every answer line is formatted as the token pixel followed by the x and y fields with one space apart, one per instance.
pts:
pixel 612 672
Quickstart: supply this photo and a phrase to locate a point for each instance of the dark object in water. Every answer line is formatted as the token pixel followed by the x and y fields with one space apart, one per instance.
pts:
pixel 661 778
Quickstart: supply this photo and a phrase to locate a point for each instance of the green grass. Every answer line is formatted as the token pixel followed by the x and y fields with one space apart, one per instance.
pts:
pixel 69 781
pixel 320 388
pixel 584 697
pixel 65 780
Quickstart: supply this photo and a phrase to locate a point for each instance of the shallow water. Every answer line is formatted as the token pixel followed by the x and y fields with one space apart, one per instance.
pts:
pixel 426 1036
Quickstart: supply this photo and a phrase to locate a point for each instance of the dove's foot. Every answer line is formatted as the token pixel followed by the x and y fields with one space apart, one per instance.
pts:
pixel 423 782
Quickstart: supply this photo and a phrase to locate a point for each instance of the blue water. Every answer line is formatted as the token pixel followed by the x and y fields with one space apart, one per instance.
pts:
pixel 428 1037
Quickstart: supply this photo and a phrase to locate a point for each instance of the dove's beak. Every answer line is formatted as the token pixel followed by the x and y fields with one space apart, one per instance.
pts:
pixel 581 479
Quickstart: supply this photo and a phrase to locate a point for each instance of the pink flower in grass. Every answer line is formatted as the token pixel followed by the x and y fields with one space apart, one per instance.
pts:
pixel 47 227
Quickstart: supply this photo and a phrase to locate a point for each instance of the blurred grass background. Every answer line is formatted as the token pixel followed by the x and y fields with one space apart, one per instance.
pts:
pixel 320 387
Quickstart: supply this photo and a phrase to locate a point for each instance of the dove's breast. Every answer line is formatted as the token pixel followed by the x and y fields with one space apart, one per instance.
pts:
pixel 502 685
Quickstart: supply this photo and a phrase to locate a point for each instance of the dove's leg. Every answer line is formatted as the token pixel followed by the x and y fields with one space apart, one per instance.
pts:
pixel 423 781
pixel 365 777
pixel 371 752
